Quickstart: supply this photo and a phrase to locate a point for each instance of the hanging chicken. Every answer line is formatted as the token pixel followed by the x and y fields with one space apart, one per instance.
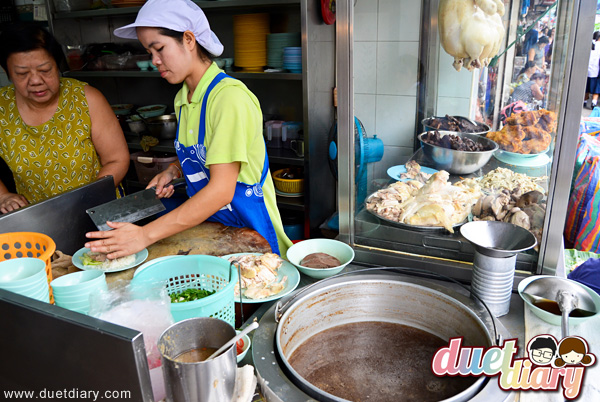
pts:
pixel 471 31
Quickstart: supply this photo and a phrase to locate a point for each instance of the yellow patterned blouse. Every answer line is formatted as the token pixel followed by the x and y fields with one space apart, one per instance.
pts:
pixel 54 157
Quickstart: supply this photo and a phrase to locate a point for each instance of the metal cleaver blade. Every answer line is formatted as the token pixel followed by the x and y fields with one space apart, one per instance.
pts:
pixel 131 208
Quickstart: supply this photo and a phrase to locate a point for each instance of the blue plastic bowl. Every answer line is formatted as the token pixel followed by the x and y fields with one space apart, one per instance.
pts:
pixel 78 283
pixel 18 272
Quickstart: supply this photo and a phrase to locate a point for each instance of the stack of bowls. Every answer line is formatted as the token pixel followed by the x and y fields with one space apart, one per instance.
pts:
pixel 292 59
pixel 25 276
pixel 72 291
pixel 276 43
pixel 250 41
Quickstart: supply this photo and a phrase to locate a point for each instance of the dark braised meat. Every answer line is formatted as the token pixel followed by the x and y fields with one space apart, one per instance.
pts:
pixel 452 141
pixel 457 124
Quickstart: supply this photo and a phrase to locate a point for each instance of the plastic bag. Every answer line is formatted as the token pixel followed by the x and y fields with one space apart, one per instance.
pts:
pixel 145 308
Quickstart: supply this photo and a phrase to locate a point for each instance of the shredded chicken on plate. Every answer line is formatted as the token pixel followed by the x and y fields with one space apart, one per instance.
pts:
pixel 437 203
pixel 259 275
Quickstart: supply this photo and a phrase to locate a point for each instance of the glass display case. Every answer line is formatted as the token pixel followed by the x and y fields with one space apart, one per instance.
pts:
pixel 406 68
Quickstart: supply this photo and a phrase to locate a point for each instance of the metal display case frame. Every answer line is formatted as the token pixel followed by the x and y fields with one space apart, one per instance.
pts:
pixel 574 27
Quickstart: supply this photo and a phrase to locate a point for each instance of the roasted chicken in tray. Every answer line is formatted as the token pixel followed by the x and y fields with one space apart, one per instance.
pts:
pixel 437 203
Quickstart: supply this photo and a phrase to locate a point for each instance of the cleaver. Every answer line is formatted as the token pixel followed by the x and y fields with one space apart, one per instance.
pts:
pixel 130 208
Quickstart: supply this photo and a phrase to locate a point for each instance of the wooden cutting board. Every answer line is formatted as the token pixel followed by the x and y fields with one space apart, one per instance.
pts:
pixel 208 238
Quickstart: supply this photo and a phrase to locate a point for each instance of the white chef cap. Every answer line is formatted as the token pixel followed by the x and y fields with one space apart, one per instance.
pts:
pixel 177 15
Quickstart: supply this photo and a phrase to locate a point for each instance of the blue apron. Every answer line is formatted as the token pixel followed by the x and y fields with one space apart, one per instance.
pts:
pixel 248 208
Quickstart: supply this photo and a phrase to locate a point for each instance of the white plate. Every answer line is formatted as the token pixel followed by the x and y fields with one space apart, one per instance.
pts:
pixel 395 171
pixel 139 258
pixel 286 269
pixel 281 193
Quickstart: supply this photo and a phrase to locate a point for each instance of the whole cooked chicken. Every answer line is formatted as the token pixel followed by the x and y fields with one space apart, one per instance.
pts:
pixel 471 31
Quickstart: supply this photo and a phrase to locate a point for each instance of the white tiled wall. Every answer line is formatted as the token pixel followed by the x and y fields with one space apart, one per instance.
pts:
pixel 386 63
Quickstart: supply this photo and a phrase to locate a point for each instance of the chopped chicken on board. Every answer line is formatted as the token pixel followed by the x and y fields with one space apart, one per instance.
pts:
pixel 259 275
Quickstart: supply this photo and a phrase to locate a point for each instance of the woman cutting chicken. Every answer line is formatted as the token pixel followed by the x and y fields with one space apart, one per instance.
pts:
pixel 219 144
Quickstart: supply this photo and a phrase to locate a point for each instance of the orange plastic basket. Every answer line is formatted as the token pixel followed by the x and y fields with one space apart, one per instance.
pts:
pixel 28 244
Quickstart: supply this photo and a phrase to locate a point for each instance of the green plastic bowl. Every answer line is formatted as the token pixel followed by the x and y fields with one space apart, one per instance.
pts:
pixel 553 318
pixel 335 248
pixel 151 111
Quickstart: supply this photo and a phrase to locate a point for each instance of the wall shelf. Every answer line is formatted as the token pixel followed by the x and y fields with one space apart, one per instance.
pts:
pixel 215 5
pixel 155 74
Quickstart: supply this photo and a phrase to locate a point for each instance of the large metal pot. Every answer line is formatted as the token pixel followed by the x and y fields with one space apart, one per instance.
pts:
pixel 163 127
pixel 380 298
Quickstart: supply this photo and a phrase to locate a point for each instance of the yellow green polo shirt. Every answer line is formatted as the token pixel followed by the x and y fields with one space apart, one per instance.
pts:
pixel 234 133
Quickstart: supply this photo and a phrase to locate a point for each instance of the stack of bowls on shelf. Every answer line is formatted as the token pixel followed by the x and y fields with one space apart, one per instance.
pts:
pixel 25 276
pixel 275 44
pixel 250 41
pixel 72 291
pixel 292 59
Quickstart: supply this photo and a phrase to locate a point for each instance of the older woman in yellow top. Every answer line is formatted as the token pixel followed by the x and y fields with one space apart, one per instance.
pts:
pixel 56 134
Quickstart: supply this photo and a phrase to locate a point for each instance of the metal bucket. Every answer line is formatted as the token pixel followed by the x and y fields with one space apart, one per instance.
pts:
pixel 374 298
pixel 205 381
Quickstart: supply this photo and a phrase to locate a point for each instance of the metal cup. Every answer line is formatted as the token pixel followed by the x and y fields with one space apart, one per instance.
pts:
pixel 492 281
pixel 298 147
pixel 205 381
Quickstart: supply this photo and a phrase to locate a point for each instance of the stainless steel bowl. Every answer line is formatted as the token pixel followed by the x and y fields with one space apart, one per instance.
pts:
pixel 458 162
pixel 484 127
pixel 162 127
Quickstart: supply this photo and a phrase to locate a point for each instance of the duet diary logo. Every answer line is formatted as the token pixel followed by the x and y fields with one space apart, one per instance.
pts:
pixel 548 364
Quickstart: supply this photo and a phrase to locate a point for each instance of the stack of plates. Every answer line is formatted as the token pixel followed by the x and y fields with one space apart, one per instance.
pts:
pixel 292 59
pixel 25 276
pixel 275 44
pixel 250 41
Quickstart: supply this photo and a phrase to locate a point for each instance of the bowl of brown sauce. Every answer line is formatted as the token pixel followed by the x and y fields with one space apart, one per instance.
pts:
pixel 320 258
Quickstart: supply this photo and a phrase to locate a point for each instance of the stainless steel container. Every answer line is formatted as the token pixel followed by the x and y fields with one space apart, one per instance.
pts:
pixel 458 162
pixel 162 127
pixel 205 381
pixel 483 128
pixel 371 298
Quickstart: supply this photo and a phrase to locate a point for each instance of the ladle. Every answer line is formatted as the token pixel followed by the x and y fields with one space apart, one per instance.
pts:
pixel 566 293
pixel 233 340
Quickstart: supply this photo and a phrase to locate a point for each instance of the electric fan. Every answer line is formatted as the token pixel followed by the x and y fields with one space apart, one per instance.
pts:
pixel 366 150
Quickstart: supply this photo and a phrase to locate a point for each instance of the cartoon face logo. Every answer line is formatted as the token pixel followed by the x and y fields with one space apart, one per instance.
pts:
pixel 574 350
pixel 541 349
pixel 572 357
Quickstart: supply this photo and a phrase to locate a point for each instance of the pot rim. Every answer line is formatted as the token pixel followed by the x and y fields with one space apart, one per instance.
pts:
pixel 324 287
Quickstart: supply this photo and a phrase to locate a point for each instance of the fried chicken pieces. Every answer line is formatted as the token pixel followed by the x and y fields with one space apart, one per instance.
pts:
pixel 526 132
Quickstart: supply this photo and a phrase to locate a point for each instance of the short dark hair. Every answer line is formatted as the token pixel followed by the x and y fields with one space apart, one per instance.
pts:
pixel 537 76
pixel 202 52
pixel 26 36
pixel 544 39
pixel 544 343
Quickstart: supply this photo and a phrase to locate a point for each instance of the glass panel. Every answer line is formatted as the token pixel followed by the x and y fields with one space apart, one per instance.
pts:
pixel 408 81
